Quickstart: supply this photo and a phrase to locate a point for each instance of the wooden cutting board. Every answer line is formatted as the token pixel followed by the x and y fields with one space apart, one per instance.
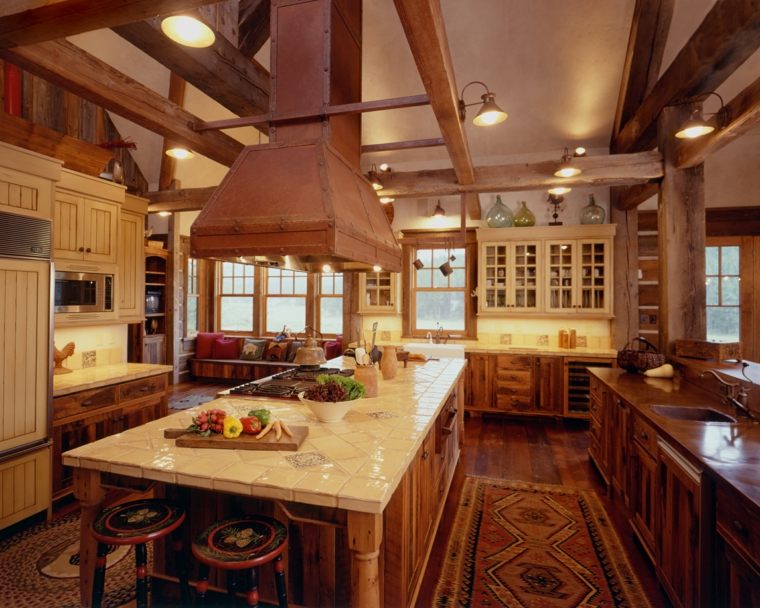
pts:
pixel 185 439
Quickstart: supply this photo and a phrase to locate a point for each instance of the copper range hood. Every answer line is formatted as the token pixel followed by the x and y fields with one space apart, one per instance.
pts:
pixel 300 201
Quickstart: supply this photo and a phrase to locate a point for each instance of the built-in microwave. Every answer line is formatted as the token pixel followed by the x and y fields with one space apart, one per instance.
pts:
pixel 83 292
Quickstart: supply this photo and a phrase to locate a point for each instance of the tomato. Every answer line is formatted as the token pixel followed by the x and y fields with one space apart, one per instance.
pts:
pixel 251 425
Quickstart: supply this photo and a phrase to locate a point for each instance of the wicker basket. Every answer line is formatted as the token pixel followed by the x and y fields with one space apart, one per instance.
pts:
pixel 639 359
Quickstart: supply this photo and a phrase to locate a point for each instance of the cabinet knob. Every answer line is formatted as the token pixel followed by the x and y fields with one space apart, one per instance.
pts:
pixel 425 455
pixel 643 435
pixel 81 250
pixel 740 528
pixel 88 250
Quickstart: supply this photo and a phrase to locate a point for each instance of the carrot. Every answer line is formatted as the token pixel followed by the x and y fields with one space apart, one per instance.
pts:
pixel 277 430
pixel 266 429
pixel 285 429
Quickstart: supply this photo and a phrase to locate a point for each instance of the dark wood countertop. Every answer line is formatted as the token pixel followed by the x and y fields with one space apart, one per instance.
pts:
pixel 730 452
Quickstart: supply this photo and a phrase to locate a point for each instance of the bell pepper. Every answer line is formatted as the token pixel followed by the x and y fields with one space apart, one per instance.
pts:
pixel 251 425
pixel 262 415
pixel 232 427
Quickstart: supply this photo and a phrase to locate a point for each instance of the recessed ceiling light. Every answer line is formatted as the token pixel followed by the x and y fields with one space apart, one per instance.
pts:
pixel 164 213
pixel 188 31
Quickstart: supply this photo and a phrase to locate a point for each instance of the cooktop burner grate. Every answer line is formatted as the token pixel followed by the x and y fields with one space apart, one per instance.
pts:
pixel 287 384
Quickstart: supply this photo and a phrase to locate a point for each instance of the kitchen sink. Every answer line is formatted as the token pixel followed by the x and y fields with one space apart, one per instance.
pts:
pixel 435 350
pixel 696 414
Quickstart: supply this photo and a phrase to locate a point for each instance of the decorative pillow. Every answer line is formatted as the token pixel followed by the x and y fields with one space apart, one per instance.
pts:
pixel 333 348
pixel 253 350
pixel 203 342
pixel 293 347
pixel 275 352
pixel 225 348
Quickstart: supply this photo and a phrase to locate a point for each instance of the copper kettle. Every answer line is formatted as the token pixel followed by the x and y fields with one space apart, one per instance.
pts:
pixel 310 354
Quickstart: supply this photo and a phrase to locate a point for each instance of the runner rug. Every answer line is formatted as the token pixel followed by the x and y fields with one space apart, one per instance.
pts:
pixel 40 568
pixel 529 545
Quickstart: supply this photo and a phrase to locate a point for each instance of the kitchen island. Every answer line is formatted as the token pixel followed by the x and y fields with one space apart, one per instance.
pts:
pixel 362 497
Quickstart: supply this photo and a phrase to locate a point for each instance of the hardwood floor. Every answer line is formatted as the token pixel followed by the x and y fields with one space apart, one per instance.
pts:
pixel 530 450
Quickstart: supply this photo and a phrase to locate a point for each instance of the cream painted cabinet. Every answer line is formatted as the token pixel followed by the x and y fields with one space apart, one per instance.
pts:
pixel 510 275
pixel 27 182
pixel 378 292
pixel 86 218
pixel 130 260
pixel 578 278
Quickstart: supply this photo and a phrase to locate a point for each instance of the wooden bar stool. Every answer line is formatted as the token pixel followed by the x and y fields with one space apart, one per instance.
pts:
pixel 137 523
pixel 243 543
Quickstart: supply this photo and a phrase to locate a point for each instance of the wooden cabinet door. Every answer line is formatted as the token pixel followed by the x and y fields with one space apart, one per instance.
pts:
pixel 549 385
pixel 131 277
pixel 678 528
pixel 68 227
pixel 100 230
pixel 479 381
pixel 618 445
pixel 642 496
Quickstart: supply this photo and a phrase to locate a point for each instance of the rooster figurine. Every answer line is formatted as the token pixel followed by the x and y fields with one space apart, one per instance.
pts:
pixel 60 355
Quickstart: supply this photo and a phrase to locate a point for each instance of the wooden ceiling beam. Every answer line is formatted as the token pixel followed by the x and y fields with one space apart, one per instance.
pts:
pixel 646 43
pixel 76 154
pixel 633 196
pixel 221 71
pixel 424 27
pixel 728 35
pixel 32 21
pixel 744 113
pixel 188 199
pixel 72 69
pixel 614 170
pixel 253 25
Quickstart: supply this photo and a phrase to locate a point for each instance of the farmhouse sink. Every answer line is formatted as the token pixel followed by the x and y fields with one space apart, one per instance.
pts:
pixel 450 351
pixel 696 414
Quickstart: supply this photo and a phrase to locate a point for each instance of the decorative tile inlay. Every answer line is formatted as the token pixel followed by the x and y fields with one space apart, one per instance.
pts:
pixel 543 340
pixel 307 459
pixel 581 341
pixel 89 358
pixel 505 339
pixel 381 415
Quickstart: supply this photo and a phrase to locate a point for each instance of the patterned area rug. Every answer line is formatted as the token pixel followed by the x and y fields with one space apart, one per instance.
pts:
pixel 530 545
pixel 40 568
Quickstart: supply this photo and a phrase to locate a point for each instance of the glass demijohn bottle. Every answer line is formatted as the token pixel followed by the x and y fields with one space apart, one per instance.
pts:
pixel 524 216
pixel 499 215
pixel 592 213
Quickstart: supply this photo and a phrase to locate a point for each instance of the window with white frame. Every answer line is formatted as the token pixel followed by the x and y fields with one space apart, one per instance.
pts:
pixel 330 308
pixel 439 289
pixel 285 300
pixel 722 281
pixel 192 298
pixel 236 297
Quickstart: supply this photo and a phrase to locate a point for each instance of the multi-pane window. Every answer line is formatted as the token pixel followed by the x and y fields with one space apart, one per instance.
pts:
pixel 192 298
pixel 236 297
pixel 439 289
pixel 722 286
pixel 330 303
pixel 286 292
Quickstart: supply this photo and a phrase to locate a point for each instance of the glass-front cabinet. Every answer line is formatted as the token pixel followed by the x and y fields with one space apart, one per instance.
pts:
pixel 546 270
pixel 378 292
pixel 510 276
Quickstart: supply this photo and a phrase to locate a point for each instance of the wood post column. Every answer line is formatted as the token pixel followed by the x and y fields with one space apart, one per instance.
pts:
pixel 90 494
pixel 365 533
pixel 625 253
pixel 680 239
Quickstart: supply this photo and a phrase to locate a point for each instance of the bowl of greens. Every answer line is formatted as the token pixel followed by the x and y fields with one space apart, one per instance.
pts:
pixel 332 397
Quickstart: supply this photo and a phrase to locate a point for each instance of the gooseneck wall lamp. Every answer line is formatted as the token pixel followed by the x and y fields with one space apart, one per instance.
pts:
pixel 489 113
pixel 566 167
pixel 696 125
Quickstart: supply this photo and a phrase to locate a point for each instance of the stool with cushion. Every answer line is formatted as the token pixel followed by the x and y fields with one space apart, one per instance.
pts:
pixel 137 523
pixel 243 543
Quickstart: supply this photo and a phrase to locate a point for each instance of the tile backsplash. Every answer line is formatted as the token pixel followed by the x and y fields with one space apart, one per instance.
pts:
pixel 95 345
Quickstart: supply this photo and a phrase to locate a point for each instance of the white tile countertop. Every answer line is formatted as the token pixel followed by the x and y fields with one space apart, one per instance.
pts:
pixel 103 375
pixel 354 464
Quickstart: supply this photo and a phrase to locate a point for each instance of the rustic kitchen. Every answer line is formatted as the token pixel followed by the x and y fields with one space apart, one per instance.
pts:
pixel 411 303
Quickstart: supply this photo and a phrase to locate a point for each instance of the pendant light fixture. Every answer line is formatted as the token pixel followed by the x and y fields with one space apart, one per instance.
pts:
pixel 696 125
pixel 179 153
pixel 558 190
pixel 566 168
pixel 188 31
pixel 439 211
pixel 489 113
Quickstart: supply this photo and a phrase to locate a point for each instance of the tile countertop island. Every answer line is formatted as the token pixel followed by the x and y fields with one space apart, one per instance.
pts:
pixel 354 465
pixel 95 377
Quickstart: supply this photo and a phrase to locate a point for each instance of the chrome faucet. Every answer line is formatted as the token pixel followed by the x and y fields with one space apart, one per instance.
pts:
pixel 734 392
pixel 429 337
pixel 440 338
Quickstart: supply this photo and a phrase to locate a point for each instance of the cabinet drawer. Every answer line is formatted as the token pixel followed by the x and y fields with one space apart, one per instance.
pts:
pixel 595 409
pixel 645 435
pixel 514 402
pixel 514 362
pixel 739 524
pixel 83 402
pixel 142 388
pixel 509 390
pixel 513 378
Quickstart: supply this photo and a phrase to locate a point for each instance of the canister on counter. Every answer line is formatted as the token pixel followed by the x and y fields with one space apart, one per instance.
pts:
pixel 571 341
pixel 564 338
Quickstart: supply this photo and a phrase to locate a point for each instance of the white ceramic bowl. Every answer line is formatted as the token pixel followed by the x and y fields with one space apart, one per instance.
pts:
pixel 328 411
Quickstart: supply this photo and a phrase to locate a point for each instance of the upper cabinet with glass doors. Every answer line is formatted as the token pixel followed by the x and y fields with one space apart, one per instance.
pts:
pixel 378 292
pixel 546 270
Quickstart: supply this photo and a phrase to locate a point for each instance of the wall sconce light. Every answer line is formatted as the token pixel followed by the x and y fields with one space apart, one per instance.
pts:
pixel 386 199
pixel 438 211
pixel 418 264
pixel 179 153
pixel 374 178
pixel 566 168
pixel 559 190
pixel 489 113
pixel 188 31
pixel 696 125
pixel 377 268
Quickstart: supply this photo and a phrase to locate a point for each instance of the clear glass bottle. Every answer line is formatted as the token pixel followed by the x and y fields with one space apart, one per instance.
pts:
pixel 592 213
pixel 499 215
pixel 524 216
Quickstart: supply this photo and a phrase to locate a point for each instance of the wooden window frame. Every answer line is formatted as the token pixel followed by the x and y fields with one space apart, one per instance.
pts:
pixel 202 287
pixel 318 301
pixel 219 298
pixel 266 296
pixel 437 239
